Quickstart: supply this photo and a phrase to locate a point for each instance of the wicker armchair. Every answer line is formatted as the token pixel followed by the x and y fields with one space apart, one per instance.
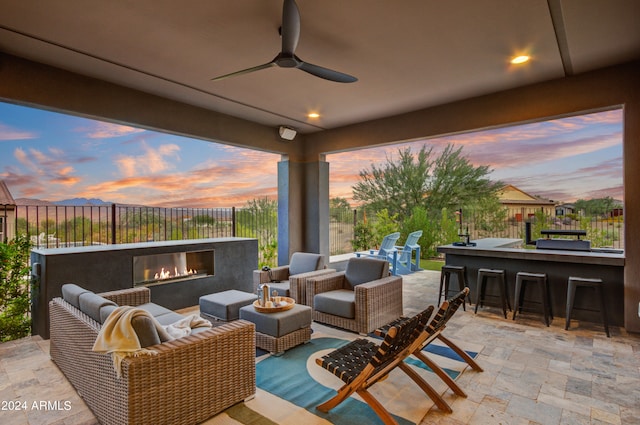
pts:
pixel 189 380
pixel 290 280
pixel 361 299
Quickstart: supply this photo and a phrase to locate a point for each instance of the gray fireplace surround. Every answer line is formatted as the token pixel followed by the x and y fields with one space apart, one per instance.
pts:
pixel 103 268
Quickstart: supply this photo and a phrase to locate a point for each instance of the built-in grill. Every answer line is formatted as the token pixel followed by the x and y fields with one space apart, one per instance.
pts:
pixel 558 243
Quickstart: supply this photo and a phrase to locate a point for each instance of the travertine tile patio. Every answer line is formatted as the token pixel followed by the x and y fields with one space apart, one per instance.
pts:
pixel 533 374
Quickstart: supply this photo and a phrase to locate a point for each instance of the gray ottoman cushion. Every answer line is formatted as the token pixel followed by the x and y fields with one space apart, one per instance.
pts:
pixel 340 302
pixel 71 294
pixel 278 324
pixel 90 304
pixel 224 305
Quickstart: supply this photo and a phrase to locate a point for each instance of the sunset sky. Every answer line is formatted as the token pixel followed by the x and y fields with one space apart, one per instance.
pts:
pixel 52 156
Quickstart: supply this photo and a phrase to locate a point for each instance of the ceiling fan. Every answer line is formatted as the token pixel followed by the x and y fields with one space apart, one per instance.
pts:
pixel 290 32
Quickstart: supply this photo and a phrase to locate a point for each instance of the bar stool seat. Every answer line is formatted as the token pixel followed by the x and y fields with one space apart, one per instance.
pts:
pixel 500 277
pixel 596 284
pixel 445 280
pixel 521 283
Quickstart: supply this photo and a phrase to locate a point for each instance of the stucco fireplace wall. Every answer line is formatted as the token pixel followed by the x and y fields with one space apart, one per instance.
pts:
pixel 110 267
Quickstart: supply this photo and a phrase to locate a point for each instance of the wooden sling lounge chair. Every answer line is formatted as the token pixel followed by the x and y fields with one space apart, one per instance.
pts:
pixel 434 331
pixel 362 363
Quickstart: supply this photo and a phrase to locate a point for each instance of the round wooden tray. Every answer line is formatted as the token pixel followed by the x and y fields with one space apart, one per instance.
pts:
pixel 290 303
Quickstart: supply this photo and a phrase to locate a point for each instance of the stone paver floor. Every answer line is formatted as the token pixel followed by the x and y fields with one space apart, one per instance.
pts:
pixel 532 374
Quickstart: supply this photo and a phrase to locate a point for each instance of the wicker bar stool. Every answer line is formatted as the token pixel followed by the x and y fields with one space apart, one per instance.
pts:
pixel 596 284
pixel 445 279
pixel 500 277
pixel 521 283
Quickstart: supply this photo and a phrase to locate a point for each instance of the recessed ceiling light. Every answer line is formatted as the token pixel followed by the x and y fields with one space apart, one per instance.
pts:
pixel 520 59
pixel 313 115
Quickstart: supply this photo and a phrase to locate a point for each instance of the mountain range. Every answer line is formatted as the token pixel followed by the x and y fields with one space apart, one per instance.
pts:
pixel 64 202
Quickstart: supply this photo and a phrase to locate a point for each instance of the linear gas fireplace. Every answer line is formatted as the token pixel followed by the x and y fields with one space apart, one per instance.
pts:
pixel 164 268
pixel 177 273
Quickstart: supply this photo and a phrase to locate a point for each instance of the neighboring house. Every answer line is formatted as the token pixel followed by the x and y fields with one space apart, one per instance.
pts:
pixel 565 209
pixel 7 213
pixel 521 205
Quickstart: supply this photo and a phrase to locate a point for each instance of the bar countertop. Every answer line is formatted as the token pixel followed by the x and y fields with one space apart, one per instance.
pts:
pixel 511 248
pixel 510 256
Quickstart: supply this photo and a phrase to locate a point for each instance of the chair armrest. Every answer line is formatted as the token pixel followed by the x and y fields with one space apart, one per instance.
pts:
pixel 218 362
pixel 323 283
pixel 133 297
pixel 378 302
pixel 277 273
pixel 298 284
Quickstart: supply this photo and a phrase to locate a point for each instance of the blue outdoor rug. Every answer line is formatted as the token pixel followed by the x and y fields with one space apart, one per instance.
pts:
pixel 290 387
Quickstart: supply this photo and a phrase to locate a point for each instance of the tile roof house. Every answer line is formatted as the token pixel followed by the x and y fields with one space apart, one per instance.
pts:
pixel 522 205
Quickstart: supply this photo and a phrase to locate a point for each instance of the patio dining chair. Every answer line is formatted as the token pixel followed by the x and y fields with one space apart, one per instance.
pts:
pixel 362 363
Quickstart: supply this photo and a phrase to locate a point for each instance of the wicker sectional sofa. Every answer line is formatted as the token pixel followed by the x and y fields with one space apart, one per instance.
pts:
pixel 187 382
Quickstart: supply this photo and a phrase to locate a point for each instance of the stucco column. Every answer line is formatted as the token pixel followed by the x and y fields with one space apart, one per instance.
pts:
pixel 303 208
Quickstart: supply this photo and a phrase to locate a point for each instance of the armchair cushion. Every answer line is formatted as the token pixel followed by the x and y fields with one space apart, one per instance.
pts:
pixel 283 288
pixel 340 302
pixel 361 270
pixel 302 262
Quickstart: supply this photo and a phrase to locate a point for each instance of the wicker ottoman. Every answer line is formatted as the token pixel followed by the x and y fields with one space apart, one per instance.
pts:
pixel 224 305
pixel 277 332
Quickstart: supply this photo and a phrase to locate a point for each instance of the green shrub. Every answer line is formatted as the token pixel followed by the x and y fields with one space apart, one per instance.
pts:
pixel 363 237
pixel 15 319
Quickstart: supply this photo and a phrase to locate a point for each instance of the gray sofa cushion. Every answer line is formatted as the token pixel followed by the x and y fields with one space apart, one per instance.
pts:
pixel 71 294
pixel 303 262
pixel 105 311
pixel 146 331
pixel 90 304
pixel 154 309
pixel 340 302
pixel 168 318
pixel 362 270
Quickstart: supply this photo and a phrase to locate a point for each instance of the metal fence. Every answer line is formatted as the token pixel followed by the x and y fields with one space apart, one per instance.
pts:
pixel 65 226
pixel 603 230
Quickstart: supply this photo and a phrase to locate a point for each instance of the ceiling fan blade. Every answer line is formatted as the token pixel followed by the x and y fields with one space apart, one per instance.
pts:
pixel 245 71
pixel 290 26
pixel 327 74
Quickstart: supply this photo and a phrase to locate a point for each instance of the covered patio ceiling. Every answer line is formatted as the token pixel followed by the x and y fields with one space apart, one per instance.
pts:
pixel 406 55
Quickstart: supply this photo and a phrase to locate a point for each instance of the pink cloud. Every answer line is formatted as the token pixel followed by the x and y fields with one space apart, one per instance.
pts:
pixel 105 130
pixel 151 161
pixel 9 133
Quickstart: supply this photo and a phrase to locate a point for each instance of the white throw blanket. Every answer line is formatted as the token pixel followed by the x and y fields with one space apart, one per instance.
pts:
pixel 118 338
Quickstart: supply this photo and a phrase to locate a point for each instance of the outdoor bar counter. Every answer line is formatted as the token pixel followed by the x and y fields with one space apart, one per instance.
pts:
pixel 507 254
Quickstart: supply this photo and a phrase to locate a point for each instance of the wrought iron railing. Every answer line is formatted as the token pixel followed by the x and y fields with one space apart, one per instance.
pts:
pixel 53 226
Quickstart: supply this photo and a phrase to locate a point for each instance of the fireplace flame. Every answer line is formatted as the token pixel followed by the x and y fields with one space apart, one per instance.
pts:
pixel 166 274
